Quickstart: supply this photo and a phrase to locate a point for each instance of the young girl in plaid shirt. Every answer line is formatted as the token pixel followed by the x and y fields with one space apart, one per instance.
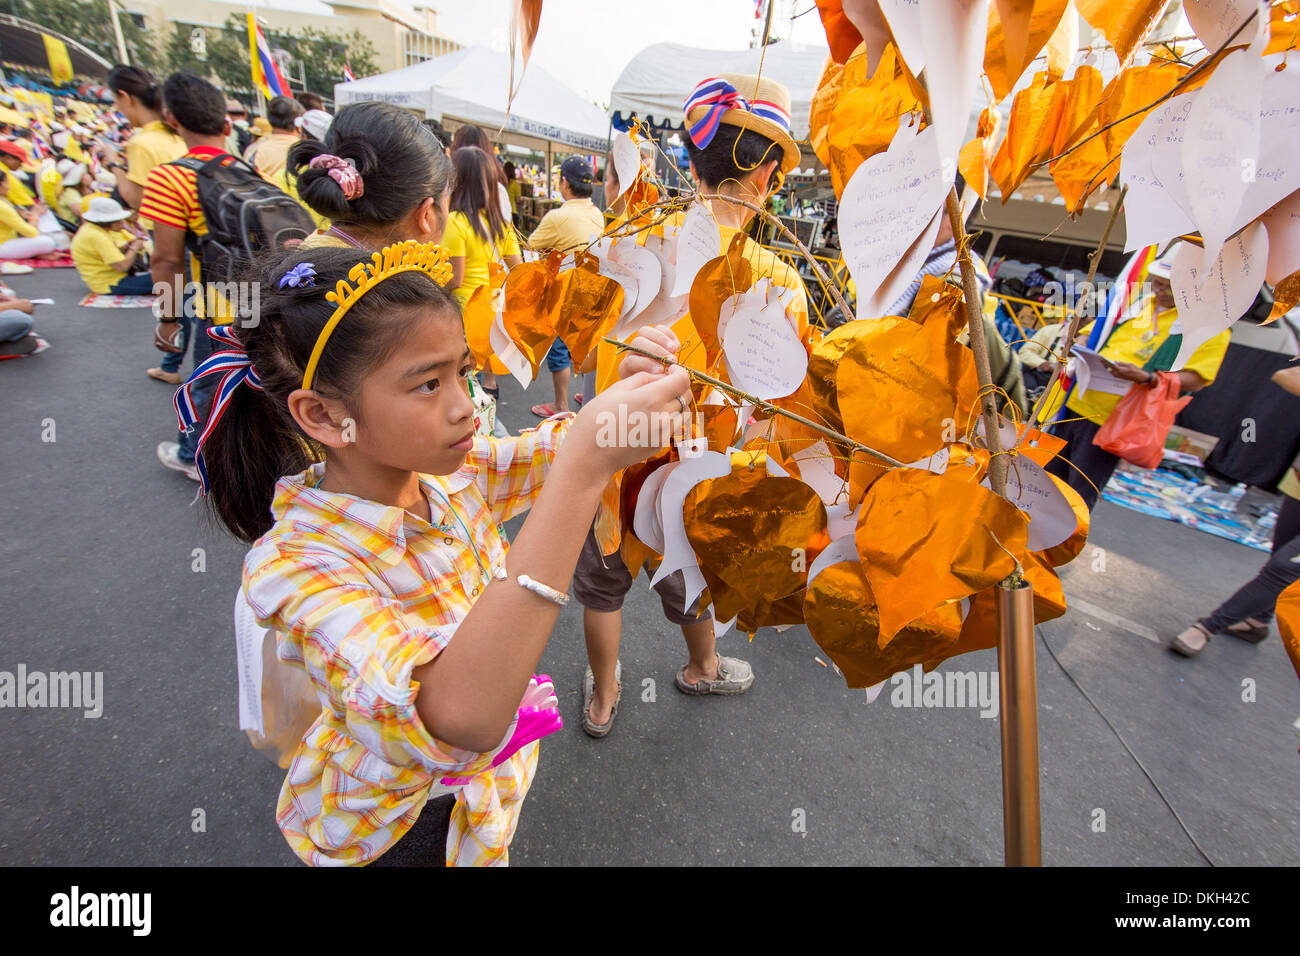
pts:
pixel 341 446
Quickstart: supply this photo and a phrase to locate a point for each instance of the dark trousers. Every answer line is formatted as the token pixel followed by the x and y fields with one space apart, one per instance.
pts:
pixel 1258 596
pixel 425 844
pixel 1092 465
pixel 138 284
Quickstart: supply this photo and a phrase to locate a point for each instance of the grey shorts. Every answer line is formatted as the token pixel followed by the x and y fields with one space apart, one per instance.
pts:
pixel 601 582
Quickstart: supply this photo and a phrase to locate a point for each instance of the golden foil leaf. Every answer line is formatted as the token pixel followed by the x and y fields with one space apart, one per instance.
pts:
pixel 1288 623
pixel 719 424
pixel 1077 174
pixel 1069 549
pixel 589 307
pixel 1125 23
pixel 1285 296
pixel 533 292
pixel 1035 113
pixel 980 629
pixel 867 115
pixel 1017 32
pixel 819 113
pixel 478 315
pixel 899 384
pixel 841 613
pixel 841 34
pixel 927 539
pixel 716 282
pixel 751 534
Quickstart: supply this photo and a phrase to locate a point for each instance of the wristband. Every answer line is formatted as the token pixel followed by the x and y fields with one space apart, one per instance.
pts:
pixel 541 590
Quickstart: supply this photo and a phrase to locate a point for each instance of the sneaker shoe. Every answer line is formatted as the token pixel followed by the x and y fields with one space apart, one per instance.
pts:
pixel 1192 641
pixel 734 677
pixel 171 378
pixel 168 454
pixel 14 269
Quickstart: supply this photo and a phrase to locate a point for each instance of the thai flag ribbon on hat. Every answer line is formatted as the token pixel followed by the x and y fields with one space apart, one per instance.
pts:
pixel 238 369
pixel 719 96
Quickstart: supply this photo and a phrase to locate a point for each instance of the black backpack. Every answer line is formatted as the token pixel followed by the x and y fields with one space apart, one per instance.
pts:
pixel 246 215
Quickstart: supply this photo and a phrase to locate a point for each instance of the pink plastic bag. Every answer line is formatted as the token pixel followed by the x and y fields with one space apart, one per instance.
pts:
pixel 1137 428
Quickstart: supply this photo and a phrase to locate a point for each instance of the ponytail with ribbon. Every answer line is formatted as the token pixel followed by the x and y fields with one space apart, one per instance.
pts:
pixel 238 369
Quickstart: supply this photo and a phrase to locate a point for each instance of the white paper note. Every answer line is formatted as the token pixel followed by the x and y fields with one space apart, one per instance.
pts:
pixel 764 356
pixel 645 520
pixel 840 520
pixel 837 552
pixel 1031 489
pixel 889 200
pixel 896 283
pixel 1093 375
pixel 1216 20
pixel 627 161
pixel 678 555
pixel 817 469
pixel 505 349
pixel 698 241
pixel 644 267
pixel 620 273
pixel 1283 225
pixel 1221 142
pixel 665 308
pixel 1209 301
pixel 1153 213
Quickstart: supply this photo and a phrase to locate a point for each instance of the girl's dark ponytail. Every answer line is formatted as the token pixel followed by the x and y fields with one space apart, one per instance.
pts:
pixel 137 82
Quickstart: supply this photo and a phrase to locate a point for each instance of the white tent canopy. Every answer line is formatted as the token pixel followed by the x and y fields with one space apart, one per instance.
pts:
pixel 470 85
pixel 659 78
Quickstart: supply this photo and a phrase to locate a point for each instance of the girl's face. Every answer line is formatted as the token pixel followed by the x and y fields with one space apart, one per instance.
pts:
pixel 414 410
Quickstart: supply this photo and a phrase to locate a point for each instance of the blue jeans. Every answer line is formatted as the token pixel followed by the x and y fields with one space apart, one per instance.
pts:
pixel 138 284
pixel 14 325
pixel 201 391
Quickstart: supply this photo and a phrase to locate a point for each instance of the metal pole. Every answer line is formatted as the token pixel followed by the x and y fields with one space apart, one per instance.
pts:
pixel 117 34
pixel 1018 685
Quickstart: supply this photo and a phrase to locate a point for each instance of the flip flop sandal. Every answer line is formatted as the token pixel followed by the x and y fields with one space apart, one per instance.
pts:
pixel 545 411
pixel 1248 632
pixel 1192 641
pixel 592 728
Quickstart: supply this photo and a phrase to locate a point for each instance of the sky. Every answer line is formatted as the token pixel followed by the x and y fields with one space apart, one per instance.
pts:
pixel 586 43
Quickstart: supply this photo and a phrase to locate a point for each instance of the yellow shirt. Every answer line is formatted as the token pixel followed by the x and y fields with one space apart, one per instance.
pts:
pixel 569 227
pixel 514 189
pixel 1136 341
pixel 460 240
pixel 269 155
pixel 1290 485
pixel 17 193
pixel 94 251
pixel 153 144
pixel 358 594
pixel 12 224
pixel 70 204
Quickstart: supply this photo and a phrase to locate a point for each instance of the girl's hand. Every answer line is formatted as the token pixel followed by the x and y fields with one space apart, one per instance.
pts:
pixel 653 338
pixel 633 418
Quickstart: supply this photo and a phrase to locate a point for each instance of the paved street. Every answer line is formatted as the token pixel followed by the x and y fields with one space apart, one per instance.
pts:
pixel 97 555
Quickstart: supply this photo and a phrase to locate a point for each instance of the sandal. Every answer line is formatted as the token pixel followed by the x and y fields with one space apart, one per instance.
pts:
pixel 545 410
pixel 1246 631
pixel 1192 641
pixel 592 728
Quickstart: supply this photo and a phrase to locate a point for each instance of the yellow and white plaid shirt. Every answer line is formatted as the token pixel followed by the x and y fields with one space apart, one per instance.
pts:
pixel 359 593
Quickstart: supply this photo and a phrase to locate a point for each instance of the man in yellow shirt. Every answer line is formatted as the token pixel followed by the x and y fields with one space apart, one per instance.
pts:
pixel 269 153
pixel 566 228
pixel 1138 347
pixel 104 258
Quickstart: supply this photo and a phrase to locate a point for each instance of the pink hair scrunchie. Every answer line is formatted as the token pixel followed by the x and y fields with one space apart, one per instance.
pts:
pixel 342 172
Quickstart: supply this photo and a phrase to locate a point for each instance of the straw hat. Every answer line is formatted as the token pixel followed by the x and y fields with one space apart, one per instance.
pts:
pixel 102 209
pixel 750 102
pixel 260 126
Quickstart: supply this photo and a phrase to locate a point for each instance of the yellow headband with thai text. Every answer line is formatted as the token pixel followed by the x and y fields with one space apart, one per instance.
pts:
pixel 427 257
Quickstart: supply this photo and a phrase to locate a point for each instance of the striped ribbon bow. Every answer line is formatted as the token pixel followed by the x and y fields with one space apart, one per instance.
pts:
pixel 238 369
pixel 719 96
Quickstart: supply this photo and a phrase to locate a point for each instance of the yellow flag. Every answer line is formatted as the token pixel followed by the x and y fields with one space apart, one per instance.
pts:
pixel 73 151
pixel 57 53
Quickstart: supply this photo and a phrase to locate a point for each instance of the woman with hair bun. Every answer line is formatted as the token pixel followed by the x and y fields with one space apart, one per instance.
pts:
pixel 137 96
pixel 380 176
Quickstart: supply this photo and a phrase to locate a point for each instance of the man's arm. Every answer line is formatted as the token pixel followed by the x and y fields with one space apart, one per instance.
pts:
pixel 167 268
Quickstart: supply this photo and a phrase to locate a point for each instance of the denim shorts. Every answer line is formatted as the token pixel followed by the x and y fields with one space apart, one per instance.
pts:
pixel 558 357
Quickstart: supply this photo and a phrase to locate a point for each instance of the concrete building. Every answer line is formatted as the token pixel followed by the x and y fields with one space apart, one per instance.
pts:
pixel 403 33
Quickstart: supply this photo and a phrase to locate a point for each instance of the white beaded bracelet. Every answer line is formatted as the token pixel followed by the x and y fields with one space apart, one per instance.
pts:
pixel 542 590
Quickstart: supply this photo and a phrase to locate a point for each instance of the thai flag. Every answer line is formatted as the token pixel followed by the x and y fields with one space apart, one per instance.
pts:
pixel 266 75
pixel 758 9
pixel 348 75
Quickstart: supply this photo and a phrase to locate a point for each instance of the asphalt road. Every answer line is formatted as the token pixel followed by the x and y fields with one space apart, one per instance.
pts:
pixel 98 554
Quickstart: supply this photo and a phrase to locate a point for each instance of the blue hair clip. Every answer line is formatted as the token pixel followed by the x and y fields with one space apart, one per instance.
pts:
pixel 300 275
